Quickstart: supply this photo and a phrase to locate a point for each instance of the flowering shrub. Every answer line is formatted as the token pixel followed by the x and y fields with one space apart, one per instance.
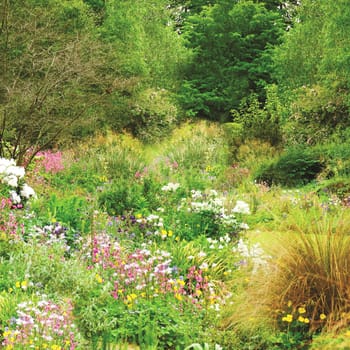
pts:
pixel 14 187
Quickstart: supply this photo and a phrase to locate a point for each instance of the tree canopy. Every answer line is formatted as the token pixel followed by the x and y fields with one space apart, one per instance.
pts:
pixel 69 68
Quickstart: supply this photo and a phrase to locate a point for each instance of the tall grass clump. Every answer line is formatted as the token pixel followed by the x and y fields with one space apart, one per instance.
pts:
pixel 312 271
pixel 197 146
pixel 304 286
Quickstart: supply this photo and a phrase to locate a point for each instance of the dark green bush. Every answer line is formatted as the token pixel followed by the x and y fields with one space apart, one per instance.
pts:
pixel 123 196
pixel 294 167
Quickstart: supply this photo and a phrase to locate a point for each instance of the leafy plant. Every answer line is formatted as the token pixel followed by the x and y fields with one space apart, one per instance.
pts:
pixel 295 167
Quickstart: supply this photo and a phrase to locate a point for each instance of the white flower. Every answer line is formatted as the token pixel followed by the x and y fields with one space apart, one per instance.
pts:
pixel 10 180
pixel 241 207
pixel 204 266
pixel 27 192
pixel 244 226
pixel 171 187
pixel 5 163
pixel 15 198
pixel 15 170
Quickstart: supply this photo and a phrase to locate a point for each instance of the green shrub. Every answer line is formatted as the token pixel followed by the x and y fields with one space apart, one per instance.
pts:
pixel 153 116
pixel 339 187
pixel 295 167
pixel 122 196
pixel 336 158
pixel 258 122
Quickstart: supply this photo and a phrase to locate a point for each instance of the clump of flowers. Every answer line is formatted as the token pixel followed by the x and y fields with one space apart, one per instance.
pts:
pixel 211 212
pixel 300 318
pixel 12 179
pixel 52 162
pixel 55 233
pixel 145 274
pixel 170 187
pixel 41 325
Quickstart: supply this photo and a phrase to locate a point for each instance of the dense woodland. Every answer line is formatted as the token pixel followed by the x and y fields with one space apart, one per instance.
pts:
pixel 174 174
pixel 70 68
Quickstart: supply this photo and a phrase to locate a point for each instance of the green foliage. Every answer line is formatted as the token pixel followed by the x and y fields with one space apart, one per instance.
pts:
pixel 154 322
pixel 73 211
pixel 313 76
pixel 121 196
pixel 258 121
pixel 230 43
pixel 50 59
pixel 295 167
pixel 153 116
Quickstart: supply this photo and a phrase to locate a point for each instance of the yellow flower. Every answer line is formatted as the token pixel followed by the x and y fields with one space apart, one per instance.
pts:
pixel 178 296
pixel 18 284
pixel 289 304
pixel 55 347
pixel 170 233
pixel 181 282
pixel 24 284
pixel 301 310
pixel 99 278
pixel 306 320
pixel 6 334
pixel 138 216
pixel 177 238
pixel 323 317
pixel 347 333
pixel 288 318
pixel 301 319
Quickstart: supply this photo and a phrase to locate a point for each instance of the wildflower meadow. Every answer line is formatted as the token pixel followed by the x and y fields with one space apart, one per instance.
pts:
pixel 174 249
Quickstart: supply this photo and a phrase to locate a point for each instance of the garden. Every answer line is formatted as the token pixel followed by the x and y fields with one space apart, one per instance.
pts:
pixel 117 245
pixel 174 175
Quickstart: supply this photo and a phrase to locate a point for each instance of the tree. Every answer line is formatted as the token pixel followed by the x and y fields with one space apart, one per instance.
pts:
pixel 312 70
pixel 230 42
pixel 147 55
pixel 49 73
